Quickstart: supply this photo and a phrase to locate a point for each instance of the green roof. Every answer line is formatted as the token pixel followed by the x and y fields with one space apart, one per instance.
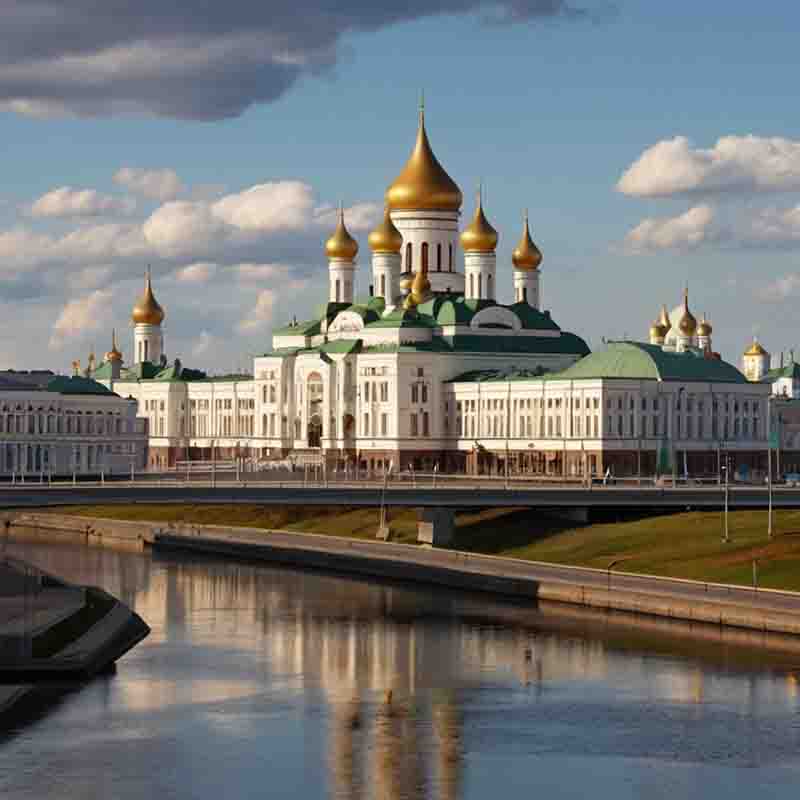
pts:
pixel 791 370
pixel 532 319
pixel 78 385
pixel 403 318
pixel 144 370
pixel 341 346
pixel 310 327
pixel 566 343
pixel 639 361
pixel 495 375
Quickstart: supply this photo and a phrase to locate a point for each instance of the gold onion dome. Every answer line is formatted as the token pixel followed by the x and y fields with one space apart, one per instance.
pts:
pixel 704 328
pixel 526 255
pixel 421 287
pixel 756 349
pixel 113 354
pixel 479 236
pixel 664 319
pixel 423 184
pixel 658 330
pixel 341 245
pixel 386 238
pixel 687 324
pixel 147 311
pixel 406 283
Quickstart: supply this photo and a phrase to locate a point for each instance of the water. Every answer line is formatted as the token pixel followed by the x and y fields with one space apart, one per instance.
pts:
pixel 262 682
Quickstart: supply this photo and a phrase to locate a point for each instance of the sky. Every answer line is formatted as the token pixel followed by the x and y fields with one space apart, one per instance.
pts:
pixel 655 145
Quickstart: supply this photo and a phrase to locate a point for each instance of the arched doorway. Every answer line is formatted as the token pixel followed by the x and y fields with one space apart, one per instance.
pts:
pixel 315 431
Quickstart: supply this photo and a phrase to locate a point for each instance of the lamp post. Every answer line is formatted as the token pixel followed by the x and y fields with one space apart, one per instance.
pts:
pixel 769 466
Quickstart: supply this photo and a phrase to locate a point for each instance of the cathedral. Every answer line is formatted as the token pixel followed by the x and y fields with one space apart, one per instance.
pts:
pixel 416 363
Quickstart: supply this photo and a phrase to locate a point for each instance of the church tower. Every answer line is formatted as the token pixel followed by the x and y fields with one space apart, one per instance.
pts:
pixel 479 241
pixel 386 243
pixel 526 259
pixel 341 250
pixel 147 316
pixel 425 204
pixel 755 362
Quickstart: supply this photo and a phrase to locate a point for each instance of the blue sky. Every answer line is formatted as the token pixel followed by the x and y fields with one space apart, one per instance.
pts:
pixel 548 112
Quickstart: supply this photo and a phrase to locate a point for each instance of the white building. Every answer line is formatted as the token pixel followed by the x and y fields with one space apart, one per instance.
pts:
pixel 57 425
pixel 424 365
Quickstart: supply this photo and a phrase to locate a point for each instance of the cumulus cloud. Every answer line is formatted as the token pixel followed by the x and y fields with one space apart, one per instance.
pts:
pixel 257 273
pixel 68 202
pixel 772 227
pixel 267 207
pixel 155 184
pixel 735 164
pixel 260 316
pixel 780 289
pixel 196 273
pixel 89 313
pixel 194 60
pixel 682 232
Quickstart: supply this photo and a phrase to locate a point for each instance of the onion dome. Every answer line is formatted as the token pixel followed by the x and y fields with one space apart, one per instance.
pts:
pixel 423 184
pixel 756 349
pixel 687 324
pixel 341 245
pixel 147 311
pixel 704 328
pixel 386 238
pixel 527 255
pixel 664 320
pixel 113 355
pixel 658 330
pixel 479 236
pixel 406 283
pixel 421 287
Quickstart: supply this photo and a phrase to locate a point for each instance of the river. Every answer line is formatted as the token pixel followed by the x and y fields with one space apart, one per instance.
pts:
pixel 265 682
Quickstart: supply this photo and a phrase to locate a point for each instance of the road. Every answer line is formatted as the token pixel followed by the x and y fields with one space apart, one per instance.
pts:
pixel 461 493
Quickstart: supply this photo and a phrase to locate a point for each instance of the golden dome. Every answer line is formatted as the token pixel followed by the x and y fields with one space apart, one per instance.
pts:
pixel 687 324
pixel 664 320
pixel 526 255
pixel 421 287
pixel 147 311
pixel 113 354
pixel 386 238
pixel 756 349
pixel 341 245
pixel 423 184
pixel 479 236
pixel 704 328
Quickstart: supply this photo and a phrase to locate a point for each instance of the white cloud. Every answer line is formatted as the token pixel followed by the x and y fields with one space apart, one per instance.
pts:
pixel 156 184
pixel 90 313
pixel 267 207
pixel 68 202
pixel 90 278
pixel 181 228
pixel 735 163
pixel 780 289
pixel 358 218
pixel 686 231
pixel 260 316
pixel 772 226
pixel 202 272
pixel 255 273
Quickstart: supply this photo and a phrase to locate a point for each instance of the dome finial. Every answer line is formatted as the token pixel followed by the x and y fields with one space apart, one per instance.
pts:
pixel 527 255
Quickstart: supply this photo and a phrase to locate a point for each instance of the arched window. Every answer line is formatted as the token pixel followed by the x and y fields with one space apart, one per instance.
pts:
pixel 450 258
pixel 409 260
pixel 424 256
pixel 383 286
pixel 480 287
pixel 471 286
pixel 489 287
pixel 338 291
pixel 524 294
pixel 439 257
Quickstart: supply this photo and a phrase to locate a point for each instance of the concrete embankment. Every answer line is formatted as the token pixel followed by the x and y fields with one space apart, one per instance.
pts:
pixel 692 601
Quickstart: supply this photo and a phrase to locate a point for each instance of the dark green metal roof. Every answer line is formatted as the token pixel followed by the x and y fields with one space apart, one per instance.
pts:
pixel 791 370
pixel 78 385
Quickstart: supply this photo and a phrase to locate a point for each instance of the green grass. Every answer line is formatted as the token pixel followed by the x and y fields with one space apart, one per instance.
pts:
pixel 686 545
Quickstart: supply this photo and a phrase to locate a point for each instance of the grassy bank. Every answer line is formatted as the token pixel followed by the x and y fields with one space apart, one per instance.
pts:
pixel 687 545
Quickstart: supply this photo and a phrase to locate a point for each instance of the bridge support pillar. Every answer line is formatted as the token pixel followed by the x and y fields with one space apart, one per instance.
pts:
pixel 436 526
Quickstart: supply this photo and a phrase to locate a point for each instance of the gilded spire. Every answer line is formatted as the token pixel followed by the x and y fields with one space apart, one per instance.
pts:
pixel 479 236
pixel 147 311
pixel 341 245
pixel 527 255
pixel 386 238
pixel 423 184
pixel 687 325
pixel 113 354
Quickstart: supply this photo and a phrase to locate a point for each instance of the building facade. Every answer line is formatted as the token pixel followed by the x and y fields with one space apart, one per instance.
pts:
pixel 59 426
pixel 415 362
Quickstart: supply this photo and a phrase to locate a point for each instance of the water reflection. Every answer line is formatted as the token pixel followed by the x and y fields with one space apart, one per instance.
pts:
pixel 315 685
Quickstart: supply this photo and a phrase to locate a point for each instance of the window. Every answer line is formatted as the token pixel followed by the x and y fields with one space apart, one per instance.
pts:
pixel 384 392
pixel 414 431
pixel 450 257
pixel 424 256
pixel 383 286
pixel 424 393
pixel 409 261
pixel 384 424
pixel 415 393
pixel 489 287
pixel 439 257
pixel 425 424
